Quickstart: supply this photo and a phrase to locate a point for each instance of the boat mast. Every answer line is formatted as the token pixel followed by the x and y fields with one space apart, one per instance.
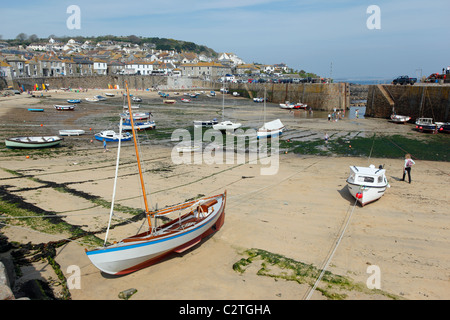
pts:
pixel 137 157
pixel 115 182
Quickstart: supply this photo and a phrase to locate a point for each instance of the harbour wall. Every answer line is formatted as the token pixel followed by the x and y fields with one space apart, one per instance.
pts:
pixel 417 101
pixel 318 96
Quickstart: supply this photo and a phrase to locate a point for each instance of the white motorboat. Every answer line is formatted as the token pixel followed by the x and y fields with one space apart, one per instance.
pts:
pixel 112 136
pixel 367 184
pixel 92 99
pixel 226 126
pixel 399 119
pixel 286 105
pixel 204 124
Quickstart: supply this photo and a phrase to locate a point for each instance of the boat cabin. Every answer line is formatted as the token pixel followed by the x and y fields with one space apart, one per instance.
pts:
pixel 367 176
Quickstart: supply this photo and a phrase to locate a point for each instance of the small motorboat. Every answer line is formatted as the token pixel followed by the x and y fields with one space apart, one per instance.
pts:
pixel 112 136
pixel 445 127
pixel 258 100
pixel 64 108
pixel 71 132
pixel 186 100
pixel 33 142
pixel 92 100
pixel 286 105
pixel 100 98
pixel 204 124
pixel 367 184
pixel 35 110
pixel 168 101
pixel 139 125
pixel 299 106
pixel 136 115
pixel 399 119
pixel 427 125
pixel 109 94
pixel 226 126
pixel 136 99
pixel 74 101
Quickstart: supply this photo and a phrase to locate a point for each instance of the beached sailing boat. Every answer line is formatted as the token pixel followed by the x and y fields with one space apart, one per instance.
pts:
pixel 225 125
pixel 196 220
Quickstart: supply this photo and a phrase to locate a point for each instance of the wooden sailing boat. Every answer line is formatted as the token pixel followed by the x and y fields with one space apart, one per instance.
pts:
pixel 196 220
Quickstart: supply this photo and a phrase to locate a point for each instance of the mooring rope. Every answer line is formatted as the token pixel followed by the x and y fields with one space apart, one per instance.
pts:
pixel 311 291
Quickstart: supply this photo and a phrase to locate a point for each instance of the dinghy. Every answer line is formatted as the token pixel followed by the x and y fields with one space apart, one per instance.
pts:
pixel 71 132
pixel 193 221
pixel 65 108
pixel 33 142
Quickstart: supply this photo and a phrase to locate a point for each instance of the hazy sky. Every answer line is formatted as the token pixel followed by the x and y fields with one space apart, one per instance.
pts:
pixel 304 34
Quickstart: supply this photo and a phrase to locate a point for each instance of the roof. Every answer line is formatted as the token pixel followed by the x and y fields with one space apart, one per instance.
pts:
pixel 371 170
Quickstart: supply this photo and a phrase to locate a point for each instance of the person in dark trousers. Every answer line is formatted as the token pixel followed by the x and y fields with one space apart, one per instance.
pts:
pixel 407 167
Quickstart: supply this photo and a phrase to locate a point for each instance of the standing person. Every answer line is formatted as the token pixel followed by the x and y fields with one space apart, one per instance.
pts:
pixel 326 137
pixel 356 113
pixel 329 117
pixel 407 167
pixel 104 146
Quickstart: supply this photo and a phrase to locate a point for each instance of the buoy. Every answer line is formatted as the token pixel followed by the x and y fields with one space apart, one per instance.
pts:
pixel 90 128
pixel 42 125
pixel 349 146
pixel 359 195
pixel 28 157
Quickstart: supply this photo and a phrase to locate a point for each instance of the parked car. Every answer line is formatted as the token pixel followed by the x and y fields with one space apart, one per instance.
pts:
pixel 404 80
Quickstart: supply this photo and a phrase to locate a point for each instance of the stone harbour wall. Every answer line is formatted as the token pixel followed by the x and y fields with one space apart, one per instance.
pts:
pixel 417 101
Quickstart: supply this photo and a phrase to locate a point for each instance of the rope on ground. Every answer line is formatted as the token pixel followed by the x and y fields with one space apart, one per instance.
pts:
pixel 330 256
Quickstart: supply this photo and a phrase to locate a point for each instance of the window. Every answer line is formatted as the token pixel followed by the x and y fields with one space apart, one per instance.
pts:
pixel 365 179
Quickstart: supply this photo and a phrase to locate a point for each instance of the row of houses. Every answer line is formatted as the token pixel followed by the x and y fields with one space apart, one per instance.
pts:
pixel 54 59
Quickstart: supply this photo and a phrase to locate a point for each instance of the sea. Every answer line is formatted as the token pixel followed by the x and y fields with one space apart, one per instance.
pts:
pixel 364 81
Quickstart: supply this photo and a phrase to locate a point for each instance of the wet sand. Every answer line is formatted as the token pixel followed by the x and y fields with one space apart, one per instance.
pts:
pixel 298 213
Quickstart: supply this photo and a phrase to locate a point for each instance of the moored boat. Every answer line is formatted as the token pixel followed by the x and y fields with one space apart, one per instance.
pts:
pixel 33 142
pixel 74 101
pixel 64 108
pixel 35 109
pixel 367 184
pixel 193 221
pixel 169 101
pixel 271 129
pixel 399 119
pixel 427 125
pixel 71 132
pixel 92 99
pixel 112 136
pixel 206 123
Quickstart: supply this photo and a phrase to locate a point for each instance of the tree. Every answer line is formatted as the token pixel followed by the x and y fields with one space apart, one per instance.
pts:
pixel 33 38
pixel 22 37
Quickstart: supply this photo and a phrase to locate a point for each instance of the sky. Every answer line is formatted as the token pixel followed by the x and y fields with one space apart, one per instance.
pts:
pixel 328 37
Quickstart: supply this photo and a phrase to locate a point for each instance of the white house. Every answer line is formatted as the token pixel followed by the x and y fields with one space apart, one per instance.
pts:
pixel 100 67
pixel 230 58
pixel 139 67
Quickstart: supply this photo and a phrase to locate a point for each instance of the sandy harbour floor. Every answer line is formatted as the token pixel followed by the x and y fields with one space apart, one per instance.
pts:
pixel 298 212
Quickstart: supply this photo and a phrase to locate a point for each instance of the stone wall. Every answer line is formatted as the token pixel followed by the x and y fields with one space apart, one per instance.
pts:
pixel 92 82
pixel 420 100
pixel 318 96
